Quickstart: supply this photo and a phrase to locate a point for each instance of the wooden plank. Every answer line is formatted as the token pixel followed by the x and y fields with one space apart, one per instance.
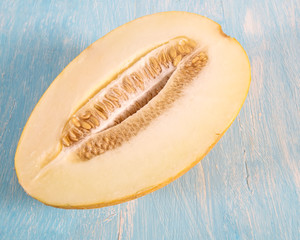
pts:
pixel 248 185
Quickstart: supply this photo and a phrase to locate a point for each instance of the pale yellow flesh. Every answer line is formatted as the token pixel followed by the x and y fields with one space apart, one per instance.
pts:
pixel 173 143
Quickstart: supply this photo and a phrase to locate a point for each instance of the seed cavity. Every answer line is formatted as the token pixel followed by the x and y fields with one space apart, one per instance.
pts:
pixel 103 123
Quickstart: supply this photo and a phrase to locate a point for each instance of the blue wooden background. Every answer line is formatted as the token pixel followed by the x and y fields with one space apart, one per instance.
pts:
pixel 246 188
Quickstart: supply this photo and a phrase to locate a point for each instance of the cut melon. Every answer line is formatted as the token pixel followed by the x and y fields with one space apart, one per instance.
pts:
pixel 134 111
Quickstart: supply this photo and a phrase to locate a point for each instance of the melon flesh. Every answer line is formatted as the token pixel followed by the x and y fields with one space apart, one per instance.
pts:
pixel 168 147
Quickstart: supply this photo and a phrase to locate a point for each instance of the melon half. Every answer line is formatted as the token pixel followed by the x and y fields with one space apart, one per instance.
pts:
pixel 134 111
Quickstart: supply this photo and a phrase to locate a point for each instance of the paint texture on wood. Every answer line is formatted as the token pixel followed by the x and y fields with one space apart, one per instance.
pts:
pixel 246 188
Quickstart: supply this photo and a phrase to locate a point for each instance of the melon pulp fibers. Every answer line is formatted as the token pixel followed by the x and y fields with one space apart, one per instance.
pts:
pixel 134 111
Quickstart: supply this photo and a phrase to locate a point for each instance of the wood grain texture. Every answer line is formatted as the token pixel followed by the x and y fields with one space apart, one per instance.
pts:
pixel 246 188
